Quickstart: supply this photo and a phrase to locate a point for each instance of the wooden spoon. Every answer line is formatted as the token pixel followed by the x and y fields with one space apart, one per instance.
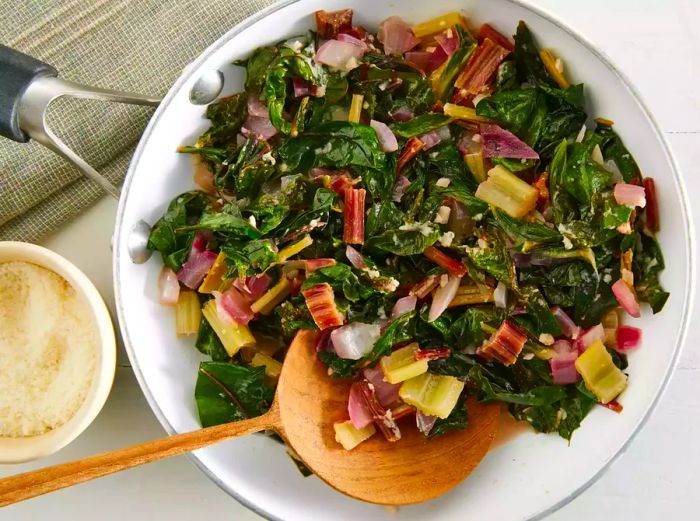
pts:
pixel 307 403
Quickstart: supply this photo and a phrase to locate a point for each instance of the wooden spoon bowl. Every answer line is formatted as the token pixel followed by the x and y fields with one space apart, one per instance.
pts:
pixel 306 405
pixel 411 470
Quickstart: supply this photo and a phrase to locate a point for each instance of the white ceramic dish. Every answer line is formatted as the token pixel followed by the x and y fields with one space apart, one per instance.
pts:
pixel 17 450
pixel 537 473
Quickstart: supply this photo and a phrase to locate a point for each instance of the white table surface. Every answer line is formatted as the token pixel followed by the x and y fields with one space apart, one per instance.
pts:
pixel 655 42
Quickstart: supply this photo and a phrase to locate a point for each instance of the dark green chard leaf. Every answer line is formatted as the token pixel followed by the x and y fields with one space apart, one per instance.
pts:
pixel 294 315
pixel 286 65
pixel 335 144
pixel 514 165
pixel 615 214
pixel 582 177
pixel 592 300
pixel 528 64
pixel 227 116
pixel 495 261
pixel 209 344
pixel 457 420
pixel 381 217
pixel 322 201
pixel 420 125
pixel 565 114
pixel 228 392
pixel 225 223
pixel 505 76
pixel 249 258
pixel 399 330
pixel 576 406
pixel 538 309
pixel 517 228
pixel 542 418
pixel 336 89
pixel 538 396
pixel 522 111
pixel 226 175
pixel 563 204
pixel 647 263
pixel 165 238
pixel 614 149
pixel 340 367
pixel 539 116
pixel 211 154
pixel 256 68
pixel 404 242
pixel 269 212
pixel 458 365
pixel 341 278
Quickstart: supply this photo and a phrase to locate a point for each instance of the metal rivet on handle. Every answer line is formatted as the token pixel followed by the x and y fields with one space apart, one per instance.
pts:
pixel 137 242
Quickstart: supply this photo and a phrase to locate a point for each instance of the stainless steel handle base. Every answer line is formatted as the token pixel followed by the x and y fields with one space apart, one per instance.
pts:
pixel 32 117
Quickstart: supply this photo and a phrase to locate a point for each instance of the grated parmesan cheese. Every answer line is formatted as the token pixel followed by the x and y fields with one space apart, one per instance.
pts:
pixel 47 350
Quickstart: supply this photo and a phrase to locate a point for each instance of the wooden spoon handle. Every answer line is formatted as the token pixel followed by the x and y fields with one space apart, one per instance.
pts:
pixel 37 482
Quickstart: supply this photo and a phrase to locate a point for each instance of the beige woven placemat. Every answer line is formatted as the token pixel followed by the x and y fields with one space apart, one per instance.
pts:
pixel 133 45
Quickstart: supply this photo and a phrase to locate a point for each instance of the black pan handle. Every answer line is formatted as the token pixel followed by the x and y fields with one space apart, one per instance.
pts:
pixel 17 72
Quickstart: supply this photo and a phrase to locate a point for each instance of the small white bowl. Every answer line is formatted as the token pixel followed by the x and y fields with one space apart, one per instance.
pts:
pixel 18 450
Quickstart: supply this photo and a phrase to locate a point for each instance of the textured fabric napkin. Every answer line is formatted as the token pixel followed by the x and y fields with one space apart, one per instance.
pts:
pixel 133 45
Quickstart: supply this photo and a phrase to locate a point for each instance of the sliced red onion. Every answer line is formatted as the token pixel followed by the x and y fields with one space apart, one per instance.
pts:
pixel 430 139
pixel 611 166
pixel 257 107
pixel 448 40
pixel 500 295
pixel 323 343
pixel 252 288
pixel 240 139
pixel 628 338
pixel 168 287
pixel 563 346
pixel 195 268
pixel 402 183
pixel 199 243
pixel 425 422
pixel 402 114
pixel 231 306
pixel 386 393
pixel 320 171
pixel 626 298
pixel 563 368
pixel 301 87
pixel 443 296
pixel 339 55
pixel 589 336
pixel 630 195
pixel 403 306
pixel 467 144
pixel 387 139
pixel 438 57
pixel 260 127
pixel 498 142
pixel 345 37
pixel 355 258
pixel 359 413
pixel 354 340
pixel 568 327
pixel 396 35
pixel 419 59
pixel 444 133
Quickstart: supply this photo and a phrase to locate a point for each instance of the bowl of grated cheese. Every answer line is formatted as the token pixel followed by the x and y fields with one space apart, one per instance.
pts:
pixel 57 352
